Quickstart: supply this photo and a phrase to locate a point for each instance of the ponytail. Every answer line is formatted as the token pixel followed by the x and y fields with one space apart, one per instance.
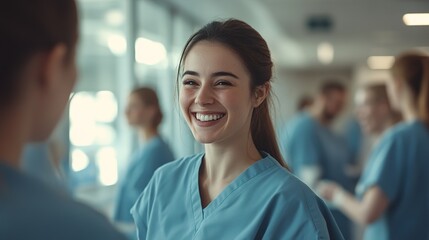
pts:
pixel 263 134
pixel 413 69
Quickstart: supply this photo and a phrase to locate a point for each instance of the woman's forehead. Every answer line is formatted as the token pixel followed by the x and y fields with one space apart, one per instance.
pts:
pixel 209 56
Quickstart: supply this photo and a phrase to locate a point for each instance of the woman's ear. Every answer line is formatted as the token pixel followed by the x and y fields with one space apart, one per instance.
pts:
pixel 53 66
pixel 261 93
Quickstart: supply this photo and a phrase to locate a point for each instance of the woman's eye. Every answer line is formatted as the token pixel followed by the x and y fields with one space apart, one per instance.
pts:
pixel 223 83
pixel 189 82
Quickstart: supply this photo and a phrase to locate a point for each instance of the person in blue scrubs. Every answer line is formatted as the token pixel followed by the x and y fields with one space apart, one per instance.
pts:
pixel 374 114
pixel 38 71
pixel 354 138
pixel 144 113
pixel 393 193
pixel 239 188
pixel 314 151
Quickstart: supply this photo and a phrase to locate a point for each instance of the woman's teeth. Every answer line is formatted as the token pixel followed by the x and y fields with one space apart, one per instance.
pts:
pixel 208 117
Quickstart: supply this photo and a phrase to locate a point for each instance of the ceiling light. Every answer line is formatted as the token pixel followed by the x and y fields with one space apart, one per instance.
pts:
pixel 416 19
pixel 325 52
pixel 380 62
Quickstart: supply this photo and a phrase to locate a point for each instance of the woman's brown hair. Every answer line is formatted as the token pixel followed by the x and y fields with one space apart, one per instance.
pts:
pixel 148 97
pixel 30 27
pixel 413 69
pixel 254 52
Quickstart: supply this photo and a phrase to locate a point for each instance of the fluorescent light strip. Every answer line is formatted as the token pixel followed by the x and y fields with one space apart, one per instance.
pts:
pixel 416 19
pixel 380 62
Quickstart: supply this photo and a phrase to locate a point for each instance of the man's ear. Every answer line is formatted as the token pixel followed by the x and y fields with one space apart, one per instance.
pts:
pixel 261 93
pixel 53 65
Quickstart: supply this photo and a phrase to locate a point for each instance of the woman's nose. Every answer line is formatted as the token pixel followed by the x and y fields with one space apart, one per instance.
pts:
pixel 204 96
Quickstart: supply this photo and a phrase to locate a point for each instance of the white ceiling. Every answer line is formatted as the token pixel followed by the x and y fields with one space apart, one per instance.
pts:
pixel 361 28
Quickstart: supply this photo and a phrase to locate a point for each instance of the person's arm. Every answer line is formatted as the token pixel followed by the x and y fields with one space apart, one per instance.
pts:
pixel 365 211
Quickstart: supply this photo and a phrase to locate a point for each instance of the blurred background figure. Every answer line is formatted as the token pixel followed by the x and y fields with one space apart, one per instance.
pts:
pixel 374 111
pixel 313 150
pixel 394 184
pixel 143 113
pixel 356 142
pixel 374 115
pixel 304 103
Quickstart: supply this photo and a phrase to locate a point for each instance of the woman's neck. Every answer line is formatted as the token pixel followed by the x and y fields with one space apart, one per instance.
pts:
pixel 224 162
pixel 409 112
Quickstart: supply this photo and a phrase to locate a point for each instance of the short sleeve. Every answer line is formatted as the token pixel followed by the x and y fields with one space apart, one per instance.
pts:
pixel 141 209
pixel 303 218
pixel 304 147
pixel 385 167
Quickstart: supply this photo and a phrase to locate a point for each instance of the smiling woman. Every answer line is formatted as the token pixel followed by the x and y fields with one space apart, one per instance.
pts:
pixel 240 187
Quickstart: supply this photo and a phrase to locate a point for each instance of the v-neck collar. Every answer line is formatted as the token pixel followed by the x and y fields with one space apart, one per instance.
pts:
pixel 199 213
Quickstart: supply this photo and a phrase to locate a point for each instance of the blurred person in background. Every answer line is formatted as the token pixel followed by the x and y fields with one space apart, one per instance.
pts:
pixel 144 113
pixel 393 194
pixel 314 151
pixel 374 111
pixel 304 103
pixel 240 187
pixel 37 73
pixel 374 115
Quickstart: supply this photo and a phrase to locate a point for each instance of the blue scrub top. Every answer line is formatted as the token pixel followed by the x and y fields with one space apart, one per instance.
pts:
pixel 143 164
pixel 37 162
pixel 264 202
pixel 354 138
pixel 306 142
pixel 31 210
pixel 399 166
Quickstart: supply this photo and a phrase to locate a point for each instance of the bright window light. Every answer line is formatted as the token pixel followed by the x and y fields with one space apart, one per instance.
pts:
pixel 117 44
pixel 416 19
pixel 82 107
pixel 114 17
pixel 79 160
pixel 149 52
pixel 380 62
pixel 325 52
pixel 82 135
pixel 107 165
pixel 106 106
pixel 105 135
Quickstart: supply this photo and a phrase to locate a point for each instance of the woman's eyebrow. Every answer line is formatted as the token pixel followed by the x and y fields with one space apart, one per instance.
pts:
pixel 216 74
pixel 220 74
pixel 193 73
